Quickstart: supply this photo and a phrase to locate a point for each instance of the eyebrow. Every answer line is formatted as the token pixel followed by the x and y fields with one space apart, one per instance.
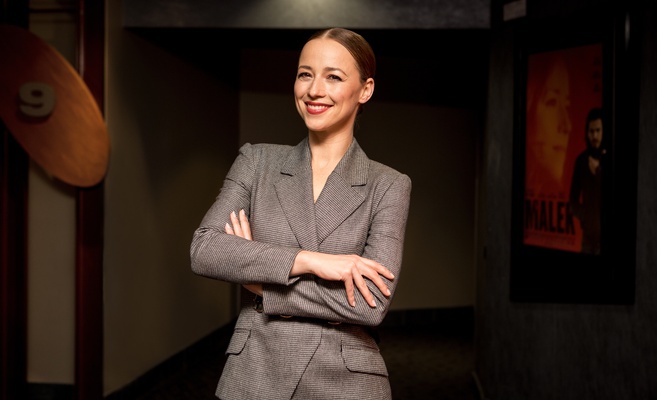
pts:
pixel 327 69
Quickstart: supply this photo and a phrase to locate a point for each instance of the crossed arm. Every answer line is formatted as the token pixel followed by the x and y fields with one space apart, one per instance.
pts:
pixel 348 268
pixel 293 281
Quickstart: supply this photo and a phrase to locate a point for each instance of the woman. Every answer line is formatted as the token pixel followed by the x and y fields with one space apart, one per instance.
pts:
pixel 548 124
pixel 300 226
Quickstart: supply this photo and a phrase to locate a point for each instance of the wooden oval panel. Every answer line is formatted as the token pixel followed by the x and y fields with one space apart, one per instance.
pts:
pixel 49 110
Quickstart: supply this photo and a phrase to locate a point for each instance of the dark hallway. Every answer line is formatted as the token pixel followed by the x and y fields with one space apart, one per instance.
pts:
pixel 425 360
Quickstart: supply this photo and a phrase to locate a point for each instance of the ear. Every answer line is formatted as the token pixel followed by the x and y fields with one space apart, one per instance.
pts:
pixel 367 91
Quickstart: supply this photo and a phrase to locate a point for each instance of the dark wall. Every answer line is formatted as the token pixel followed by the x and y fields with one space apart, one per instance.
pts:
pixel 430 89
pixel 564 351
pixel 307 14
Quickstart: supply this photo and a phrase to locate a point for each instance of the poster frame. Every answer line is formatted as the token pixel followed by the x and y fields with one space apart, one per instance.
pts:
pixel 548 274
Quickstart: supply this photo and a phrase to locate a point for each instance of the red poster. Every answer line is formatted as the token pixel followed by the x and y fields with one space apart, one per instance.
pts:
pixel 563 87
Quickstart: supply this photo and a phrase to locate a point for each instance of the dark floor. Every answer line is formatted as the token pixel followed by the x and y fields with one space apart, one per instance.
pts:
pixel 424 362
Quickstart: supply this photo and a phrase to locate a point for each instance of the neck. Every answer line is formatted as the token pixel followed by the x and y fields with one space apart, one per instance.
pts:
pixel 327 150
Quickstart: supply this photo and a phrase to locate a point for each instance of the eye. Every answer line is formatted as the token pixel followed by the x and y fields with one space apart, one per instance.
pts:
pixel 303 75
pixel 551 102
pixel 334 78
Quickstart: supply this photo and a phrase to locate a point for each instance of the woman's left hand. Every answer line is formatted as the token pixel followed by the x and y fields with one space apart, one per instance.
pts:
pixel 242 228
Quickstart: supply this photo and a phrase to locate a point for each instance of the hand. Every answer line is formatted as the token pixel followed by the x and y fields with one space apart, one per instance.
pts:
pixel 350 268
pixel 255 288
pixel 242 228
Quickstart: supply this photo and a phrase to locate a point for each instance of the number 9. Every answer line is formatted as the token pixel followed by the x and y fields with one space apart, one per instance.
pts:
pixel 37 99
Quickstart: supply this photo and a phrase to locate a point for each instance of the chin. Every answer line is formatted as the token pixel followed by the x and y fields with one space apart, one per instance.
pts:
pixel 315 128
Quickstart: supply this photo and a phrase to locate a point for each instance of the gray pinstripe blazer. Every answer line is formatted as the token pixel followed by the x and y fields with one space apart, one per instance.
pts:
pixel 362 210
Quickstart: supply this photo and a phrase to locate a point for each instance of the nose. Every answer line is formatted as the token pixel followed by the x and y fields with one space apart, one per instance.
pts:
pixel 598 134
pixel 316 89
pixel 565 125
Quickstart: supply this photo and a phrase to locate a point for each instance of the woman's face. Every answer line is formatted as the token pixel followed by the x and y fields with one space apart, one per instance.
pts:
pixel 328 89
pixel 552 123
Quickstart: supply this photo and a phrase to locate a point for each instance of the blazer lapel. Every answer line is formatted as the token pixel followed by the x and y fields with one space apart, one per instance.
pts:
pixel 294 191
pixel 340 197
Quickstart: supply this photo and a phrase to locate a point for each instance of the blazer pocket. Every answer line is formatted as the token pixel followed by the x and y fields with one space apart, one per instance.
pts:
pixel 364 359
pixel 238 341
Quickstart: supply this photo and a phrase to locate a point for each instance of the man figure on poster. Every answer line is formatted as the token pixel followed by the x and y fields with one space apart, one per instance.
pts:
pixel 586 184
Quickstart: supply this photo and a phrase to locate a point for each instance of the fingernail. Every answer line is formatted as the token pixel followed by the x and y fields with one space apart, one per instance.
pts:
pixel 232 214
pixel 388 292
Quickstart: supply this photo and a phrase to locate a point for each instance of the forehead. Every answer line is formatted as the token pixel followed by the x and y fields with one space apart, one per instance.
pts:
pixel 322 53
pixel 595 123
pixel 558 78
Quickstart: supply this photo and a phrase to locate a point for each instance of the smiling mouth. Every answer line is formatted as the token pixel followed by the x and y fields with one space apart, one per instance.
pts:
pixel 316 108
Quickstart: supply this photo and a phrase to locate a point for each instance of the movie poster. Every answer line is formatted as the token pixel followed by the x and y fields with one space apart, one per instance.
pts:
pixel 561 204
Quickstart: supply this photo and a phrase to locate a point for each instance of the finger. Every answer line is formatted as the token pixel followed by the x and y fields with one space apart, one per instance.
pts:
pixel 229 229
pixel 236 225
pixel 374 273
pixel 246 226
pixel 349 287
pixel 364 290
pixel 376 279
pixel 380 269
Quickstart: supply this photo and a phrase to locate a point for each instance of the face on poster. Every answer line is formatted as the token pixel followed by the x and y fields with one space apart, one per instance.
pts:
pixel 562 87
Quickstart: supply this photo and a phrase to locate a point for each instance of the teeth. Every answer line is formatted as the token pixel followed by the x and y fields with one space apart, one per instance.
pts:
pixel 317 108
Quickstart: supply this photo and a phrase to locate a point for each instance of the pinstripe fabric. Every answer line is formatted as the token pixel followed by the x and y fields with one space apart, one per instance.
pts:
pixel 361 210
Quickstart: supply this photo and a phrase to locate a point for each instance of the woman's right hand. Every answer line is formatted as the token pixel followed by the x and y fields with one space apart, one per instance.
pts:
pixel 239 226
pixel 349 268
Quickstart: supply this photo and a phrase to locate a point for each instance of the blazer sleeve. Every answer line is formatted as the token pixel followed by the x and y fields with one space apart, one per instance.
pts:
pixel 316 298
pixel 218 255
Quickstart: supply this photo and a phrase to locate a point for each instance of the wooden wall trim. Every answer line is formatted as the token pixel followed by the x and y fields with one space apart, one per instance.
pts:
pixel 13 268
pixel 89 221
pixel 14 164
